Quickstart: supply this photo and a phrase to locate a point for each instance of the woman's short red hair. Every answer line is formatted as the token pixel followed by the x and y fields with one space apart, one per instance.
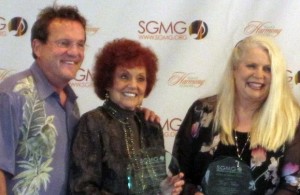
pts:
pixel 126 53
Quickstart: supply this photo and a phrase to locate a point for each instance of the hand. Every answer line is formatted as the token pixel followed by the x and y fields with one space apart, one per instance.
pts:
pixel 198 193
pixel 173 184
pixel 150 115
pixel 2 183
pixel 178 182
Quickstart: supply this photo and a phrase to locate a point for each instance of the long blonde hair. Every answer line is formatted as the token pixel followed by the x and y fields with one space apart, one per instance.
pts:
pixel 275 122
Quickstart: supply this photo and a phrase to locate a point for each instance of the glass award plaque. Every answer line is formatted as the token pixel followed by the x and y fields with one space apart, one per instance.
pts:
pixel 147 171
pixel 227 176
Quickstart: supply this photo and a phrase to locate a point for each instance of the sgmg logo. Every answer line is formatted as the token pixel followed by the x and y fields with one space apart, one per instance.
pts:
pixel 16 26
pixel 171 126
pixel 83 78
pixel 297 78
pixel 173 30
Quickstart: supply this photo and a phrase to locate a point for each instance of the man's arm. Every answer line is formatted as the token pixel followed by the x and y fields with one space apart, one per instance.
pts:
pixel 2 183
pixel 10 119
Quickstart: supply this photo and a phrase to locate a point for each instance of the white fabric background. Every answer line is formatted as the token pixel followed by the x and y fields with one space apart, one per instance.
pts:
pixel 189 68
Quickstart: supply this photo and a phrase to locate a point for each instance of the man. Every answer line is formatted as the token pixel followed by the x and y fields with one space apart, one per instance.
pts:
pixel 38 107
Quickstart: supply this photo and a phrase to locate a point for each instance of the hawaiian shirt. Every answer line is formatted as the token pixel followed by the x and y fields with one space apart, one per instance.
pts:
pixel 35 134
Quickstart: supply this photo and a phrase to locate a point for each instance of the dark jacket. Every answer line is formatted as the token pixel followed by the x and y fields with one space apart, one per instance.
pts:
pixel 100 150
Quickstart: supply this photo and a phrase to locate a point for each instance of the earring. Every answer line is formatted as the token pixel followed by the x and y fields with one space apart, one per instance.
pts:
pixel 106 96
pixel 139 106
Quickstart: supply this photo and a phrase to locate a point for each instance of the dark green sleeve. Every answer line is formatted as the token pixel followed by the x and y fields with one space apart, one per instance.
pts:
pixel 86 169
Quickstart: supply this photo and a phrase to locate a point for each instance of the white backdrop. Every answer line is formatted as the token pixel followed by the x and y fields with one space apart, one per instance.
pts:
pixel 192 39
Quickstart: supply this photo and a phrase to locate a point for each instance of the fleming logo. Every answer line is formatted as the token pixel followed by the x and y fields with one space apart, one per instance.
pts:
pixel 19 25
pixel 262 28
pixel 199 28
pixel 184 79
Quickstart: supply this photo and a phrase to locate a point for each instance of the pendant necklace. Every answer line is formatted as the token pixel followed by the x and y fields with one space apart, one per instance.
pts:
pixel 239 153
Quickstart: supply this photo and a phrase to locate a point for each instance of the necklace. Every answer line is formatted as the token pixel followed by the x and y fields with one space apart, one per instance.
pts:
pixel 239 153
pixel 139 168
pixel 128 132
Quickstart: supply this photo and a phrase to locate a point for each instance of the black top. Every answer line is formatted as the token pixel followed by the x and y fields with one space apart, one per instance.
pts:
pixel 107 138
pixel 243 144
pixel 196 146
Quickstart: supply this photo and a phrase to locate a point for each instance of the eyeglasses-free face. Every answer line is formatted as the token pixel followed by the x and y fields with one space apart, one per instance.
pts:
pixel 129 87
pixel 253 76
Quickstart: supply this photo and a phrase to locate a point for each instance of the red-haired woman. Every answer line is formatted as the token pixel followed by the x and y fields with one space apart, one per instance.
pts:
pixel 110 137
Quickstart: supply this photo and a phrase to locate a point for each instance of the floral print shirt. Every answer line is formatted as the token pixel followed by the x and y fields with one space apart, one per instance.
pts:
pixel 196 146
pixel 35 134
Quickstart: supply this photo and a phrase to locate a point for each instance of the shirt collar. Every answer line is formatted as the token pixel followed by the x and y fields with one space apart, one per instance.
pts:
pixel 44 88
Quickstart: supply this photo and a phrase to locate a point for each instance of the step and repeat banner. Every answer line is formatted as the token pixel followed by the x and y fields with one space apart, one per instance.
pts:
pixel 192 39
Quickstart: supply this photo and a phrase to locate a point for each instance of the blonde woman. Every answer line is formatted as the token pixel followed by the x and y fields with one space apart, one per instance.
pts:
pixel 254 118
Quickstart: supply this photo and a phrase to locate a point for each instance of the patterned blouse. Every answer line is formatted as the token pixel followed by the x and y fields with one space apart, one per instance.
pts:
pixel 196 146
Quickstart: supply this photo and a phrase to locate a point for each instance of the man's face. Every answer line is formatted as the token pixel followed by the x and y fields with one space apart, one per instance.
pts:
pixel 61 56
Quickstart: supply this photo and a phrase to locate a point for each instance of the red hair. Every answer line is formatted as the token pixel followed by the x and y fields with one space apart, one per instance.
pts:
pixel 126 53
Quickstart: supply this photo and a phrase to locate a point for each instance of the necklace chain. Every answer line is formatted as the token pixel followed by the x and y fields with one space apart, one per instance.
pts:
pixel 239 153
pixel 130 145
pixel 133 155
pixel 128 136
pixel 128 133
